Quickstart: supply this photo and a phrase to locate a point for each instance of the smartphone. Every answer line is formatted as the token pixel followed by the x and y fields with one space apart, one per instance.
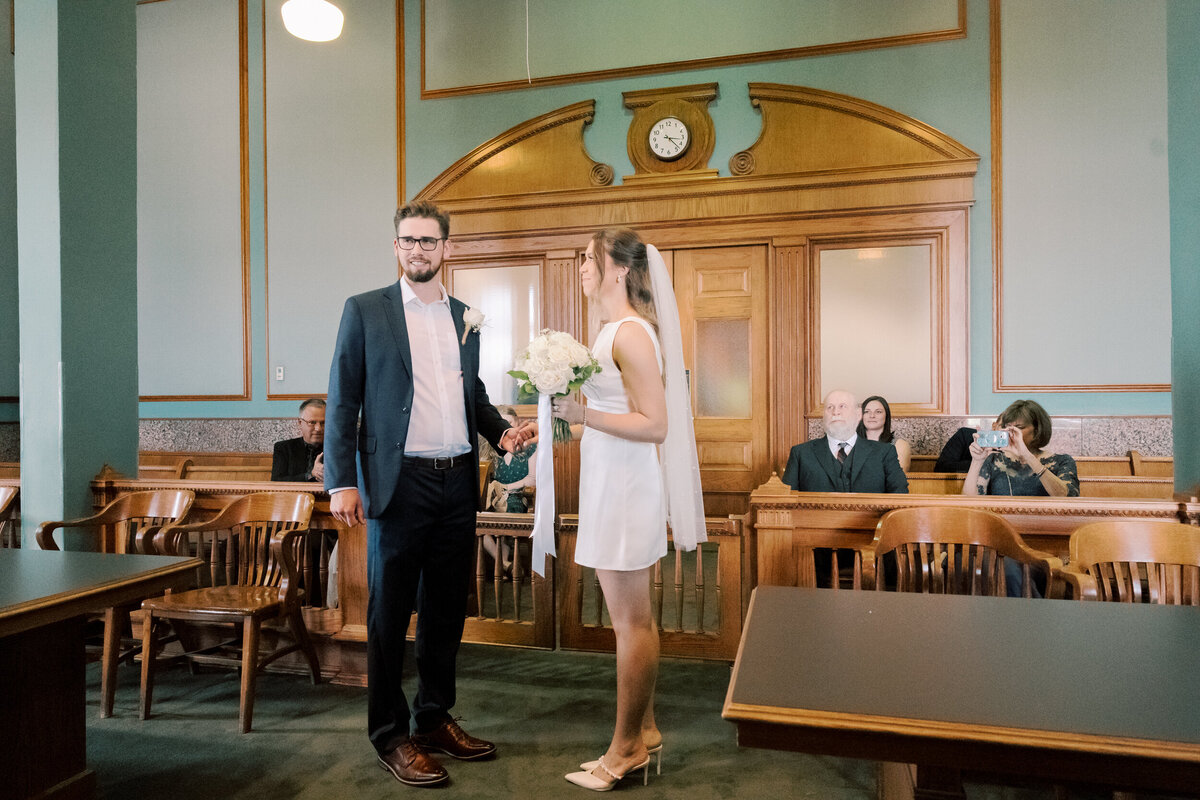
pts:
pixel 993 439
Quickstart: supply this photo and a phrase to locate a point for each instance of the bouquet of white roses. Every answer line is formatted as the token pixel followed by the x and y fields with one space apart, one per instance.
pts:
pixel 554 364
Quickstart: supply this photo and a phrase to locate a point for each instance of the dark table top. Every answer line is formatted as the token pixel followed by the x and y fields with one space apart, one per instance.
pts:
pixel 40 586
pixel 1107 669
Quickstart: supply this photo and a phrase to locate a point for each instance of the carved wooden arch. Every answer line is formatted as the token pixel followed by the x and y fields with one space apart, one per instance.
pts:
pixel 808 130
pixel 544 154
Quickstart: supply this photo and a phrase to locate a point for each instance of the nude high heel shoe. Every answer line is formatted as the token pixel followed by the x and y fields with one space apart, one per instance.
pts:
pixel 588 766
pixel 610 779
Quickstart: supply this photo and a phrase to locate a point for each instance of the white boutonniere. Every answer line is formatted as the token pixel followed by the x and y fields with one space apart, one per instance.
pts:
pixel 473 320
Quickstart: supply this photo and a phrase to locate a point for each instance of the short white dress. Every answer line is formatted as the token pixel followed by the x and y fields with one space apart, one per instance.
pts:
pixel 622 507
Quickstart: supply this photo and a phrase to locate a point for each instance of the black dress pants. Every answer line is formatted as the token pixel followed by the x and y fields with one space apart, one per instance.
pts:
pixel 418 558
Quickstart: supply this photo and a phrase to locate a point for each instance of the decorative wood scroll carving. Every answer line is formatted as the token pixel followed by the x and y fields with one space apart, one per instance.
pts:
pixel 544 154
pixel 808 130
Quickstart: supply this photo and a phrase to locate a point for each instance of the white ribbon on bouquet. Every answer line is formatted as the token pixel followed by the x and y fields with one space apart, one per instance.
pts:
pixel 543 509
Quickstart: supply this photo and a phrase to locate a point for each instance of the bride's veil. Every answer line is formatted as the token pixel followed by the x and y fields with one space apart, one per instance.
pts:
pixel 680 465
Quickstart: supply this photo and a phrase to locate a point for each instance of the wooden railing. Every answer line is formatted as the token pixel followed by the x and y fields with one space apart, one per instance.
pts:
pixel 700 598
pixel 948 483
pixel 517 607
pixel 1131 465
pixel 10 512
pixel 788 525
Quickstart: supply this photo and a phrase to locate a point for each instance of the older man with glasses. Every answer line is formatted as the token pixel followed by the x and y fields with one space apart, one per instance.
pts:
pixel 302 458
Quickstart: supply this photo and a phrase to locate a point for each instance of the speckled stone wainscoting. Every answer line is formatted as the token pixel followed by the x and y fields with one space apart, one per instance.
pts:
pixel 10 441
pixel 1076 436
pixel 215 435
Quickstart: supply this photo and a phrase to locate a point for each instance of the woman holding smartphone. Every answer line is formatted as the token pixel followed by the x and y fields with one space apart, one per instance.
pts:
pixel 1020 467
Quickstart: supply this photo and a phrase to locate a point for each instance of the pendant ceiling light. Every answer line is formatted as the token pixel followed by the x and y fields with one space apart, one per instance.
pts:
pixel 313 20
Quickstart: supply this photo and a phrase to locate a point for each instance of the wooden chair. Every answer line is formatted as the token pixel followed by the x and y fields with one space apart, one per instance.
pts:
pixel 487 468
pixel 251 548
pixel 953 551
pixel 126 525
pixel 1135 561
pixel 10 534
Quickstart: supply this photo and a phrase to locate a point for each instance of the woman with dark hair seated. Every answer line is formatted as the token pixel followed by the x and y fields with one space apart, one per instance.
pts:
pixel 1022 468
pixel 876 424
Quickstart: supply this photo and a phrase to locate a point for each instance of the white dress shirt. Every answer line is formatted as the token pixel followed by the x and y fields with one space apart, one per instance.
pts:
pixel 438 424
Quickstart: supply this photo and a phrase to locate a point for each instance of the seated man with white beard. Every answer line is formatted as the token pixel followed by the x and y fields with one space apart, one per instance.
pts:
pixel 843 461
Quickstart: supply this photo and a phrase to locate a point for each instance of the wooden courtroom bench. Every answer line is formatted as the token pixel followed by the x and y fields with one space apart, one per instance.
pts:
pixel 204 466
pixel 948 483
pixel 788 525
pixel 1133 464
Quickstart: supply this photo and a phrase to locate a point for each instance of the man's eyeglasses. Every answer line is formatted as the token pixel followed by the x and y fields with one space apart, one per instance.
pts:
pixel 313 423
pixel 427 242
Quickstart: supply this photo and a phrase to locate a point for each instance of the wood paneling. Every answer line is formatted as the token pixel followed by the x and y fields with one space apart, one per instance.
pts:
pixel 802 186
pixel 544 154
pixel 808 130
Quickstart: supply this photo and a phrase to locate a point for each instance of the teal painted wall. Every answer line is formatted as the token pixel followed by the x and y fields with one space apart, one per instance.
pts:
pixel 77 190
pixel 8 229
pixel 1183 76
pixel 944 84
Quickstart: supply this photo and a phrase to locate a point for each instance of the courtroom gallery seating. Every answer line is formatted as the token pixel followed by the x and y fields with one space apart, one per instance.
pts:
pixel 251 549
pixel 10 535
pixel 1135 561
pixel 946 550
pixel 126 525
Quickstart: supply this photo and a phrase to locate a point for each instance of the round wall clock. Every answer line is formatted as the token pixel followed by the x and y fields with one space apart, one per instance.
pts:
pixel 669 138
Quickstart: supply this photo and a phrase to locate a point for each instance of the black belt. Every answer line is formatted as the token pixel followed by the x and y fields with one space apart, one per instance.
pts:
pixel 441 462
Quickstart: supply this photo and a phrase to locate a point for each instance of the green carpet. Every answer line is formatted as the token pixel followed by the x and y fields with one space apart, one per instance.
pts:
pixel 545 711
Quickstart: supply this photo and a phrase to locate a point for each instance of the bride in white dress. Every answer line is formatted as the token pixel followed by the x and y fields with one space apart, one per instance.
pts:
pixel 625 496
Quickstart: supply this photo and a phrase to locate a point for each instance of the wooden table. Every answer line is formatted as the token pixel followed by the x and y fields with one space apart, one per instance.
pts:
pixel 44 596
pixel 1099 693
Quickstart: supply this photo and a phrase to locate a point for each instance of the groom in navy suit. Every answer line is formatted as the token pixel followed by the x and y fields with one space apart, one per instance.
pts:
pixel 408 363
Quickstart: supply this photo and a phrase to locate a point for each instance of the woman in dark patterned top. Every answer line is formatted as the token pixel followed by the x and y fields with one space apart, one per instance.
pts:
pixel 1023 469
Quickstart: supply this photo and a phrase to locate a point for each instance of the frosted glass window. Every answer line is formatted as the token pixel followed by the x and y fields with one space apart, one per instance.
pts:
pixel 722 372
pixel 876 323
pixel 510 298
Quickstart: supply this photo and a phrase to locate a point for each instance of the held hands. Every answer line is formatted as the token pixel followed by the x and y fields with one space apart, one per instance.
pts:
pixel 318 467
pixel 568 409
pixel 515 439
pixel 346 507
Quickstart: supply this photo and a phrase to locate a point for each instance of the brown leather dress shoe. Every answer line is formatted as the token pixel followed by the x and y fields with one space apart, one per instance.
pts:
pixel 409 764
pixel 452 740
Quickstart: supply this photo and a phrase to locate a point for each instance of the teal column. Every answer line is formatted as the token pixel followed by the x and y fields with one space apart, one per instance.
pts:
pixel 1183 158
pixel 76 142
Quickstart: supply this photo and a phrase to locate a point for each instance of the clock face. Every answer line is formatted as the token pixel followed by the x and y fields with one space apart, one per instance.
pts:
pixel 669 138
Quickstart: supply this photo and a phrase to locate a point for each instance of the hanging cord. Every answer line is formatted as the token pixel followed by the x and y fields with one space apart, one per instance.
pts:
pixel 528 74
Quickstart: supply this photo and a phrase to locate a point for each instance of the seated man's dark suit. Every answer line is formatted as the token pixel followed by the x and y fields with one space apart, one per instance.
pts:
pixel 293 460
pixel 869 467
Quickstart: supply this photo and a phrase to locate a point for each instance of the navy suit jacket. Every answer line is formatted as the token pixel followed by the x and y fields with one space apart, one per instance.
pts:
pixel 371 375
pixel 874 467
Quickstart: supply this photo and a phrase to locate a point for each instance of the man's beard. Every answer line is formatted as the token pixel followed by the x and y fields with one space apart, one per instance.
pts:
pixel 422 277
pixel 840 430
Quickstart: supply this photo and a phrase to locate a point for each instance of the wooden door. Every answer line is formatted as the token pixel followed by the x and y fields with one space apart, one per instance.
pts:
pixel 722 294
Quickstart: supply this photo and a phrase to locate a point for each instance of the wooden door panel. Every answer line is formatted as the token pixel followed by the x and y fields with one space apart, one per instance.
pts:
pixel 723 313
